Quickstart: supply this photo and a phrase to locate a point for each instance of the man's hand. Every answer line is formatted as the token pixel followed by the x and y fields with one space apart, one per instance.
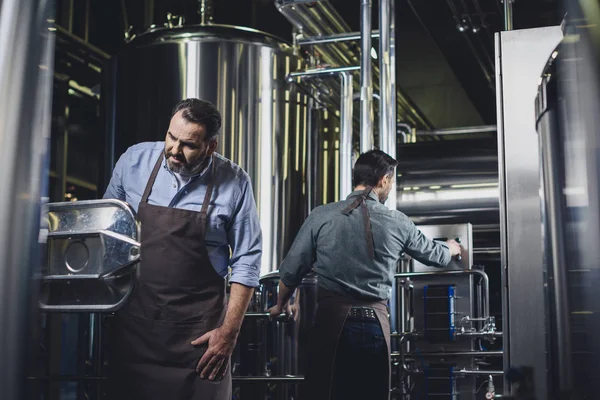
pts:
pixel 215 360
pixel 276 310
pixel 455 248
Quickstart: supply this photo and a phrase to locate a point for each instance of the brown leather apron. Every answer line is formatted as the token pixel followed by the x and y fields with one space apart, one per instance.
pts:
pixel 178 298
pixel 330 318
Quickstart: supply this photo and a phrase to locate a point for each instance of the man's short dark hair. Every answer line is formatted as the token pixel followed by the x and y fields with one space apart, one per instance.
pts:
pixel 371 166
pixel 200 112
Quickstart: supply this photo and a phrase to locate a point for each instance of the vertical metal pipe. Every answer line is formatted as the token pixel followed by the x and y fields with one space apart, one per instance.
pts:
pixel 508 15
pixel 366 78
pixel 346 134
pixel 26 69
pixel 387 85
pixel 206 12
pixel 555 243
pixel 148 13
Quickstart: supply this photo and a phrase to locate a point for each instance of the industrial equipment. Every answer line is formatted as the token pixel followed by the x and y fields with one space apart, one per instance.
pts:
pixel 521 56
pixel 444 324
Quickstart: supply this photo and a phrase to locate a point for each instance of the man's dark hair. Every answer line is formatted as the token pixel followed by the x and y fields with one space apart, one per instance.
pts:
pixel 371 166
pixel 200 112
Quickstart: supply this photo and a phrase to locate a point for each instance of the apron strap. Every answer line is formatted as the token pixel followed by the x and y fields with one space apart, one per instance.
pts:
pixel 154 173
pixel 152 178
pixel 361 201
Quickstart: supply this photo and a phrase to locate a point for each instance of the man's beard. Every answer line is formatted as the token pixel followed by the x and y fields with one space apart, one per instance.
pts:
pixel 183 167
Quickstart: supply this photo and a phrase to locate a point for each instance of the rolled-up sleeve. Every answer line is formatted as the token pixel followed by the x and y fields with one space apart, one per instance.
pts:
pixel 115 188
pixel 425 250
pixel 245 238
pixel 301 256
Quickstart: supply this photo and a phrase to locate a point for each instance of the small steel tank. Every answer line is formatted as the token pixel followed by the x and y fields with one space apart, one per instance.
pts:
pixel 270 356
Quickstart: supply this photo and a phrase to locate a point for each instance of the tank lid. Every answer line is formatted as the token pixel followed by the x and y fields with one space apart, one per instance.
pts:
pixel 212 31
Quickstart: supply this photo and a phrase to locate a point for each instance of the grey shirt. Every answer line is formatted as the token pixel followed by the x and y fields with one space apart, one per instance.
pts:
pixel 335 245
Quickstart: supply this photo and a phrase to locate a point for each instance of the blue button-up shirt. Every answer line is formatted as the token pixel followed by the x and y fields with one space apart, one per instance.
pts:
pixel 233 235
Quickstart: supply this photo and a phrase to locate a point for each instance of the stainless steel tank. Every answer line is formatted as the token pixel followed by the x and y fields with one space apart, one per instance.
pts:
pixel 270 356
pixel 242 71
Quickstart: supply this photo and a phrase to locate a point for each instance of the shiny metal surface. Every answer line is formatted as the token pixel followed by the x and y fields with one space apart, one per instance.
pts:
pixel 454 181
pixel 319 19
pixel 242 71
pixel 92 254
pixel 274 351
pixel 471 313
pixel 337 37
pixel 567 122
pixel 345 148
pixel 26 69
pixel 387 83
pixel 554 229
pixel 520 58
pixel 366 78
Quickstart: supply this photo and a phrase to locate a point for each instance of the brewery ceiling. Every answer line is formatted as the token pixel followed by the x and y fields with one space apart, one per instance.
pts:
pixel 445 48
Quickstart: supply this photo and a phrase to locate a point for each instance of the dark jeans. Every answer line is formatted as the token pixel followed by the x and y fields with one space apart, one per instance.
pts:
pixel 361 363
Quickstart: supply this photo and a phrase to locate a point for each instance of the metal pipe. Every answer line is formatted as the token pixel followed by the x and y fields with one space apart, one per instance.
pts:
pixel 270 379
pixel 347 89
pixel 325 71
pixel 480 334
pixel 477 372
pixel 206 12
pixel 458 131
pixel 483 275
pixel 335 38
pixel 366 79
pixel 454 354
pixel 508 15
pixel 63 33
pixel 346 118
pixel 387 84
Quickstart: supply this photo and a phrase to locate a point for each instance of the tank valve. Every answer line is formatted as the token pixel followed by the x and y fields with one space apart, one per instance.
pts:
pixel 491 390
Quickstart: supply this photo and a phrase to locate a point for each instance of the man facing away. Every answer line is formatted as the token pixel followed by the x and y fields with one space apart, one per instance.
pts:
pixel 354 246
pixel 198 216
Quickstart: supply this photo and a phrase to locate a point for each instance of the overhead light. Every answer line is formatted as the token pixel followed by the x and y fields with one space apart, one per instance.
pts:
pixel 373 53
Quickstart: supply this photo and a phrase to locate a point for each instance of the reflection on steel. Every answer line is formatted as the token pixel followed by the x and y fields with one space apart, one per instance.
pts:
pixel 339 37
pixel 453 354
pixel 366 78
pixel 26 70
pixel 458 131
pixel 242 71
pixel 93 250
pixel 275 350
pixel 346 118
pixel 346 135
pixel 206 11
pixel 322 71
pixel 320 19
pixel 483 275
pixel 480 334
pixel 508 15
pixel 269 379
pixel 387 84
pixel 477 372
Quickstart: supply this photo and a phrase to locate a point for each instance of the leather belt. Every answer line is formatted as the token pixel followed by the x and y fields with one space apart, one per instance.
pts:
pixel 362 313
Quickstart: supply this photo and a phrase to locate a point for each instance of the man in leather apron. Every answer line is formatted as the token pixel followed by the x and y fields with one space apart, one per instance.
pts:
pixel 354 246
pixel 175 336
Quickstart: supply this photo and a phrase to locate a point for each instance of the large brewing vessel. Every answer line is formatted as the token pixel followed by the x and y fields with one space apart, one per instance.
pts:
pixel 242 71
